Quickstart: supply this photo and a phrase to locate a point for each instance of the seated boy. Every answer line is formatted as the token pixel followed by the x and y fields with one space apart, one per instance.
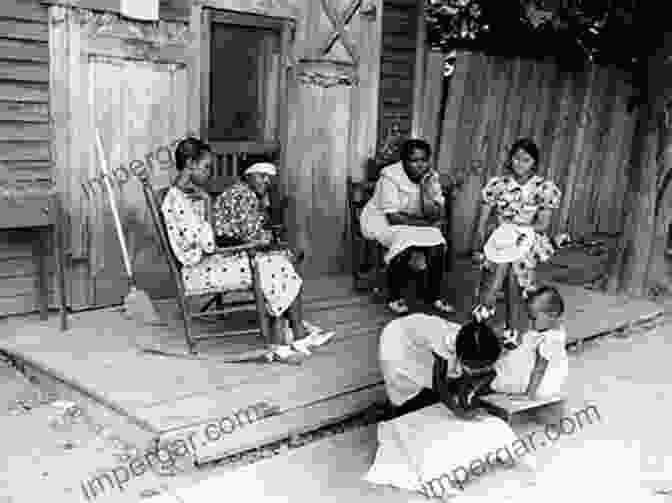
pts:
pixel 538 366
pixel 464 356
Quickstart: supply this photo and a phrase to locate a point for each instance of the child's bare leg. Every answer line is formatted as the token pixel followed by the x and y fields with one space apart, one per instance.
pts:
pixel 496 284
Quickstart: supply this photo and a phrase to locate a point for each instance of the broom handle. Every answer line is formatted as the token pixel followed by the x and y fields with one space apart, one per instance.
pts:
pixel 113 205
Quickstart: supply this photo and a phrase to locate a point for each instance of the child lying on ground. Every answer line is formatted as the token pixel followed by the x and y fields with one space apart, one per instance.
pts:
pixel 539 366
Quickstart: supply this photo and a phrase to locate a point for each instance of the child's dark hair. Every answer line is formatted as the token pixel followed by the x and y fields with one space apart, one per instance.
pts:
pixel 529 146
pixel 553 303
pixel 190 149
pixel 414 143
pixel 477 345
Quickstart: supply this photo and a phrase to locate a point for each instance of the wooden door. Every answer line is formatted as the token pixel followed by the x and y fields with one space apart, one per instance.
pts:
pixel 139 107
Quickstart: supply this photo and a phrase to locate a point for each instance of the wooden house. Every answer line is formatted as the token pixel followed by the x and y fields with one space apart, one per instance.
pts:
pixel 296 79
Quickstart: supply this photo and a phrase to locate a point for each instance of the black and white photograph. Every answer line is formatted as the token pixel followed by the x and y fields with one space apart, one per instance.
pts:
pixel 298 251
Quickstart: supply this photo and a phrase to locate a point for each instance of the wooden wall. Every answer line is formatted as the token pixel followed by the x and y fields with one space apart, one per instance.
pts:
pixel 400 28
pixel 24 136
pixel 333 111
pixel 143 85
pixel 579 120
pixel 129 80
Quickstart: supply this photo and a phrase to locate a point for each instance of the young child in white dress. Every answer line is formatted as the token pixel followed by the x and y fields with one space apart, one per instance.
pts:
pixel 539 366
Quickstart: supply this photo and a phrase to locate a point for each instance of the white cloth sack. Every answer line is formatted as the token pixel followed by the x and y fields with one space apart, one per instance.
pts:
pixel 424 450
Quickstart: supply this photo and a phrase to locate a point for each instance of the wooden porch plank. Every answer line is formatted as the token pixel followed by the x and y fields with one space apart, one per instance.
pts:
pixel 330 371
pixel 274 428
pixel 177 397
pixel 189 376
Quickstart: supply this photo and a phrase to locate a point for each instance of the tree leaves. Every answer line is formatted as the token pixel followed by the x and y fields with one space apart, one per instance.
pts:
pixel 575 31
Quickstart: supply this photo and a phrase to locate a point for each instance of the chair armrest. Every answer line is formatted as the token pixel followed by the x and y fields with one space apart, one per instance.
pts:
pixel 252 247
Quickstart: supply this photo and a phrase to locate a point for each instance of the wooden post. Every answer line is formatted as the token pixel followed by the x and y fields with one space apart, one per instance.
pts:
pixel 419 70
pixel 203 55
pixel 196 98
pixel 59 253
pixel 283 101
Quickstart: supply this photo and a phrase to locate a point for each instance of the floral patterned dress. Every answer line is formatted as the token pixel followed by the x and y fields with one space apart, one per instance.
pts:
pixel 240 215
pixel 203 271
pixel 520 204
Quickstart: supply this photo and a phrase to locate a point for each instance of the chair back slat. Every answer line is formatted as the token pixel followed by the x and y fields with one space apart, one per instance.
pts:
pixel 154 200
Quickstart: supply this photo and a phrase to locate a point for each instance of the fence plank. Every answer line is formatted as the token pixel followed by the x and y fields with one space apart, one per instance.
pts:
pixel 431 108
pixel 473 157
pixel 585 148
pixel 541 121
pixel 578 119
pixel 451 115
pixel 531 97
pixel 613 164
pixel 600 181
pixel 495 155
pixel 581 106
pixel 513 109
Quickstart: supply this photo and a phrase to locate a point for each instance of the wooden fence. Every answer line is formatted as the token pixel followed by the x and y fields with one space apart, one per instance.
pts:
pixel 580 121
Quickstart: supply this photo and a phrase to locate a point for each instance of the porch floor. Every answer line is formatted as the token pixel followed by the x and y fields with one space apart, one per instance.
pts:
pixel 154 398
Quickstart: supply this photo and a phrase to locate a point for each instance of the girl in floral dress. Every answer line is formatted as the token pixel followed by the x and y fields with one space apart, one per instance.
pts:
pixel 192 239
pixel 521 197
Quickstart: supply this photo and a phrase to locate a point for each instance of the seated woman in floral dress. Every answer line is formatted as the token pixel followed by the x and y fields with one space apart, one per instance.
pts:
pixel 523 198
pixel 192 239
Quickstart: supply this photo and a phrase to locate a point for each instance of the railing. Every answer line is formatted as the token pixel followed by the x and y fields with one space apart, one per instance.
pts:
pixel 232 157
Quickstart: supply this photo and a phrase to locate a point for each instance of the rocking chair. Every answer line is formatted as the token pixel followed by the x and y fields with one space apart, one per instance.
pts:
pixel 255 301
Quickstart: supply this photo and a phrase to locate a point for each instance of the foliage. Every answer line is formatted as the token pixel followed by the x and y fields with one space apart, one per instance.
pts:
pixel 574 31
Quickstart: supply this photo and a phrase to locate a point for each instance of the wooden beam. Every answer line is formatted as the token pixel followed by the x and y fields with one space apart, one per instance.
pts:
pixel 340 30
pixel 283 101
pixel 195 103
pixel 327 45
pixel 419 70
pixel 205 58
pixel 274 9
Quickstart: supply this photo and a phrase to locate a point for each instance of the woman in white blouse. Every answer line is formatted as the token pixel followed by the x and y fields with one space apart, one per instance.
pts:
pixel 404 216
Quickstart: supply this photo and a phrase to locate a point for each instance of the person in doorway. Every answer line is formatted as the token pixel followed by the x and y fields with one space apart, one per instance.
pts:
pixel 523 198
pixel 404 215
pixel 192 238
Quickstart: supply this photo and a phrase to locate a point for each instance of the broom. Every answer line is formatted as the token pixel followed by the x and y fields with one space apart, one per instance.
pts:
pixel 137 304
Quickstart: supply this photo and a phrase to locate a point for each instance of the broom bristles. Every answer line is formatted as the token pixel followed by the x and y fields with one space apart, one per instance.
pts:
pixel 138 306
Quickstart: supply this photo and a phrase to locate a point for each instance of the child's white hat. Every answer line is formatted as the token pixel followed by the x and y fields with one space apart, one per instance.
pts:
pixel 509 243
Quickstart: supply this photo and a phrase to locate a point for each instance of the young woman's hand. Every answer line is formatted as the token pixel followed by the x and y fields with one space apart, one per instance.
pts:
pixel 431 186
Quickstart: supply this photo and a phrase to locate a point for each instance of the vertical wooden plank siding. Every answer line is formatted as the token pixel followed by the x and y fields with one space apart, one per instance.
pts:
pixel 419 68
pixel 399 42
pixel 451 115
pixel 579 120
pixel 431 102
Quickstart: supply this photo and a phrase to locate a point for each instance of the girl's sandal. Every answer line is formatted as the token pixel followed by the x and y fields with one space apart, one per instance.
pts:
pixel 443 306
pixel 398 306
